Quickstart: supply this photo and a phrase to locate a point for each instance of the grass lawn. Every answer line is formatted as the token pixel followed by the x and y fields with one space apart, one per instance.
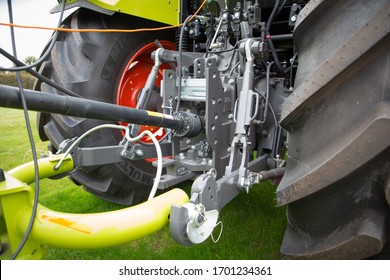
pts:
pixel 253 227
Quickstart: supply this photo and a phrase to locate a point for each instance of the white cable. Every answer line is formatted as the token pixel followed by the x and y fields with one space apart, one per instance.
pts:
pixel 159 157
pixel 128 138
pixel 43 154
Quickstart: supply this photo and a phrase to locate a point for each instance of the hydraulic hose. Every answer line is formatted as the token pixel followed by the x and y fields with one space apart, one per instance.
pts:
pixel 269 38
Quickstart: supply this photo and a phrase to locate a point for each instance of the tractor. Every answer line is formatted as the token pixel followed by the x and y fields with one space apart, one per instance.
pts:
pixel 137 97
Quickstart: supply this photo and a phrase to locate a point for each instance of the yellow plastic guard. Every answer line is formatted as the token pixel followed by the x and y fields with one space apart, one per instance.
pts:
pixel 64 230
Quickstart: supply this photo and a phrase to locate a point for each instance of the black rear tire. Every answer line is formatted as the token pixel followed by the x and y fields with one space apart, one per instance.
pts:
pixel 91 64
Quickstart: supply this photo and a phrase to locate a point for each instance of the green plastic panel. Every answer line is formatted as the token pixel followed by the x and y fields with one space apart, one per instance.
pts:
pixel 164 11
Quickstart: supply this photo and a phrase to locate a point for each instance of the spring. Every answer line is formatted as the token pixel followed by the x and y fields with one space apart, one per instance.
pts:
pixel 184 41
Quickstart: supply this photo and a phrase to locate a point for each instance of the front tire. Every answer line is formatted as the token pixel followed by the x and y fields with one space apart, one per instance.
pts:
pixel 94 65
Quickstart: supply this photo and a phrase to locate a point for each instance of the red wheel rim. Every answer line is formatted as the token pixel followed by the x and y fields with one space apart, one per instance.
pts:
pixel 133 80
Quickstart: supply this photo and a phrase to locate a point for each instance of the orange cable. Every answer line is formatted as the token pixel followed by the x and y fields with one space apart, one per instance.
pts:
pixel 102 30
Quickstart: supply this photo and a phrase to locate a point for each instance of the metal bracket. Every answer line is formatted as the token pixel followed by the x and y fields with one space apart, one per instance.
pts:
pixel 215 194
pixel 173 56
pixel 96 156
pixel 205 190
pixel 219 124
pixel 132 151
pixel 211 194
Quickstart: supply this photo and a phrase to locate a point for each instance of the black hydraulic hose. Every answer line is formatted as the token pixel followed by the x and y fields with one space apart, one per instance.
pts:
pixel 282 37
pixel 281 7
pixel 183 122
pixel 271 17
pixel 274 54
pixel 23 105
pixel 179 62
pixel 272 174
pixel 269 38
pixel 267 93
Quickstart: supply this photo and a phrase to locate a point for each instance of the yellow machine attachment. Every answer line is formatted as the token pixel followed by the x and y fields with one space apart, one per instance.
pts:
pixel 167 12
pixel 65 230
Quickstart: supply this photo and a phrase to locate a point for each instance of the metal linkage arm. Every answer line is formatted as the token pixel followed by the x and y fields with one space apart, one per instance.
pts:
pixel 193 222
pixel 244 116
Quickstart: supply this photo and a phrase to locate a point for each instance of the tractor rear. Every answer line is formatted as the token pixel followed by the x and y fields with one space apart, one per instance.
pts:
pixel 233 93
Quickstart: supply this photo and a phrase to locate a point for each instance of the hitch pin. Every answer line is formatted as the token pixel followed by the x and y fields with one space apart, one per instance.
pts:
pixel 159 45
pixel 254 178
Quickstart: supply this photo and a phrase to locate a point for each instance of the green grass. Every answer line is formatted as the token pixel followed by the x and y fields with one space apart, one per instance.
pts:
pixel 253 227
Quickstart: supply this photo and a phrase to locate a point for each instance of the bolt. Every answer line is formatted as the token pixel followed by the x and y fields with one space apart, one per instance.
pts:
pixel 128 154
pixel 293 18
pixel 139 153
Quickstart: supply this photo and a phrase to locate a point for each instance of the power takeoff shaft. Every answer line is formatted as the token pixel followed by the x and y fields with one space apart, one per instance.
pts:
pixel 185 124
